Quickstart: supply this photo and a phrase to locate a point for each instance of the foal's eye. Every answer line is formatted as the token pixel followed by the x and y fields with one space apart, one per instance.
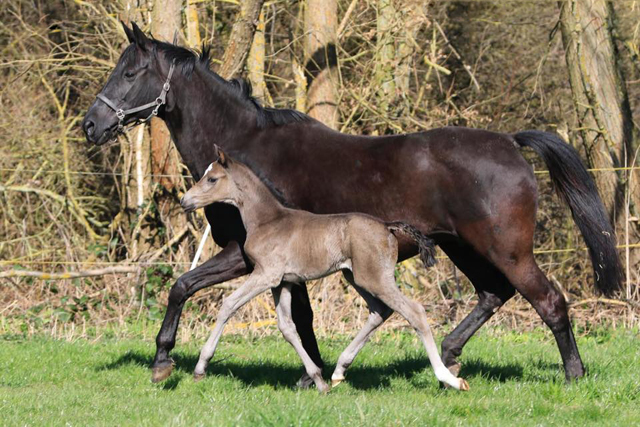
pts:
pixel 129 74
pixel 211 180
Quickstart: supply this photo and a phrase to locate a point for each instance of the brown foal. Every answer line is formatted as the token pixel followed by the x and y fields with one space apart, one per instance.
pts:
pixel 295 246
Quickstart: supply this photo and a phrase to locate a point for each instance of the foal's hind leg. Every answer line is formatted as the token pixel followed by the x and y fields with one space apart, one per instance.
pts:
pixel 378 313
pixel 282 296
pixel 377 279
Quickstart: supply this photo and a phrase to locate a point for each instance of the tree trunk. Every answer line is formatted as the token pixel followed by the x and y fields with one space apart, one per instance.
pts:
pixel 240 39
pixel 165 21
pixel 165 160
pixel 411 17
pixel 385 61
pixel 255 63
pixel 600 99
pixel 321 24
pixel 193 25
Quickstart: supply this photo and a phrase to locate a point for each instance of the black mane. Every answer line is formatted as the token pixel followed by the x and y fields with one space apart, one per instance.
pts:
pixel 187 60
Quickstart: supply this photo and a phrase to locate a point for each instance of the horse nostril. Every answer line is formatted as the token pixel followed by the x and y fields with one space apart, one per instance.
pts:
pixel 88 126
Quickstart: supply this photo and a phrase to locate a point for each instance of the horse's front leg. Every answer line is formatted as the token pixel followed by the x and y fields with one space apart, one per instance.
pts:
pixel 302 316
pixel 226 265
pixel 256 284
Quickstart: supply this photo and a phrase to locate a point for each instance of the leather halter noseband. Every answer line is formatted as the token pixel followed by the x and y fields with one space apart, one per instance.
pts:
pixel 159 101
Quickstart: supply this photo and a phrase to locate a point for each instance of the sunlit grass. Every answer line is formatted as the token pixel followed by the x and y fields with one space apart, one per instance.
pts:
pixel 515 379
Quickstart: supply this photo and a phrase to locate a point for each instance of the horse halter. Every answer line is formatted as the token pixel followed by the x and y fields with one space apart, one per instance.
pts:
pixel 159 102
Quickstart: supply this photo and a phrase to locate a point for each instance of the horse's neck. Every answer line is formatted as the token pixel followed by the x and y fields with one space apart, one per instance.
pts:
pixel 204 114
pixel 256 203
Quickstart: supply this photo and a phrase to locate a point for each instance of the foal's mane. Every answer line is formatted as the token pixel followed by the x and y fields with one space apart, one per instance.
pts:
pixel 187 60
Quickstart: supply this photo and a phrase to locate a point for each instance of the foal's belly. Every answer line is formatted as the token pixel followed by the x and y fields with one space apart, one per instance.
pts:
pixel 313 274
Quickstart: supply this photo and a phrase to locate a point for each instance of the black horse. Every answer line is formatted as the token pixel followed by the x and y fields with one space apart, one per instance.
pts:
pixel 472 185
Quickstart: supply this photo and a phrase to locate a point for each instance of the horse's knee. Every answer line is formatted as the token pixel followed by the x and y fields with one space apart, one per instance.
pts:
pixel 554 311
pixel 178 291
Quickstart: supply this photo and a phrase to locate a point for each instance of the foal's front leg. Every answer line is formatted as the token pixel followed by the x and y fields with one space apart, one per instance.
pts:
pixel 282 297
pixel 257 283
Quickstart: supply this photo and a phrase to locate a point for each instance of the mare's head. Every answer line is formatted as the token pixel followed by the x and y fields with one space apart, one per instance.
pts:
pixel 137 79
pixel 217 185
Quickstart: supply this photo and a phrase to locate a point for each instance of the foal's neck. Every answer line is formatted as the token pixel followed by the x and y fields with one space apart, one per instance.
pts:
pixel 256 203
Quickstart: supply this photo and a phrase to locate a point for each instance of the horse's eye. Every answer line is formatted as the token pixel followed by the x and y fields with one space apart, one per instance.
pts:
pixel 211 180
pixel 129 74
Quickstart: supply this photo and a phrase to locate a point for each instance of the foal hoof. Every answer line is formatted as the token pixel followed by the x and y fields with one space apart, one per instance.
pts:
pixel 323 388
pixel 464 386
pixel 161 373
pixel 198 377
pixel 336 381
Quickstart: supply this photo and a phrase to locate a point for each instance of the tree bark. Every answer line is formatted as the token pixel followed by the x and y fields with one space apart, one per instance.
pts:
pixel 240 39
pixel 386 55
pixel 600 99
pixel 321 24
pixel 193 24
pixel 255 62
pixel 165 21
pixel 411 17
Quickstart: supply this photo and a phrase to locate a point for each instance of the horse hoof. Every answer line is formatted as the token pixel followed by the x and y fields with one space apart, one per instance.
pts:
pixel 464 386
pixel 304 382
pixel 161 373
pixel 198 377
pixel 336 381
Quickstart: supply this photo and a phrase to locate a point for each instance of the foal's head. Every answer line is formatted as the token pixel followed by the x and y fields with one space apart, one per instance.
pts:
pixel 217 185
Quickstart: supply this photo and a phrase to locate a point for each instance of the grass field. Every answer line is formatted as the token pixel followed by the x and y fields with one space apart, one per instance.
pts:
pixel 515 379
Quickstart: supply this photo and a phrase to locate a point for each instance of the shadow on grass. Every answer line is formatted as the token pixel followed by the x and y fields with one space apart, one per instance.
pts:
pixel 490 371
pixel 285 376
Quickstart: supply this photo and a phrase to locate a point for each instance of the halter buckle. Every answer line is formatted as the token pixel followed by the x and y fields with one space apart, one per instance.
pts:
pixel 120 114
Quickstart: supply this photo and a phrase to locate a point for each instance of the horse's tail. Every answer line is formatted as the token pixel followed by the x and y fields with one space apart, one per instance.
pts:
pixel 426 245
pixel 577 188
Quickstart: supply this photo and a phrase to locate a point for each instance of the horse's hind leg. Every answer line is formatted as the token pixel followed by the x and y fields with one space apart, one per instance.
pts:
pixel 550 304
pixel 493 291
pixel 378 313
pixel 282 296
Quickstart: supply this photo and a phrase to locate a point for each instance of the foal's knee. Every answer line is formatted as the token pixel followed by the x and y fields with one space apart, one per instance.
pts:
pixel 286 327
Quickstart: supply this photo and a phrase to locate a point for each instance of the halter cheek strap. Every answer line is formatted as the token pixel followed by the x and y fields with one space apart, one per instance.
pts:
pixel 159 101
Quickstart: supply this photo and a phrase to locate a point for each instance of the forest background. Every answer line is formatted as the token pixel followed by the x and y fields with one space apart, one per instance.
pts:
pixel 91 239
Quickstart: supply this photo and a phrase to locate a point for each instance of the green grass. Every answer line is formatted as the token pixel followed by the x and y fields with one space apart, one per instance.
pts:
pixel 515 379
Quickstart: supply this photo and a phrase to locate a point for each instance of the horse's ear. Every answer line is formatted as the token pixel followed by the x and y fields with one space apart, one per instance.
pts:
pixel 128 32
pixel 139 38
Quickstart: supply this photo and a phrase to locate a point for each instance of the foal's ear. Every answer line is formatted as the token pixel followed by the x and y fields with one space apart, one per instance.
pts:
pixel 128 32
pixel 222 158
pixel 139 38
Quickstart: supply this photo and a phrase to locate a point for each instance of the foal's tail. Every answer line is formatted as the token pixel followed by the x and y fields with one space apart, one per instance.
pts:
pixel 426 245
pixel 576 187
